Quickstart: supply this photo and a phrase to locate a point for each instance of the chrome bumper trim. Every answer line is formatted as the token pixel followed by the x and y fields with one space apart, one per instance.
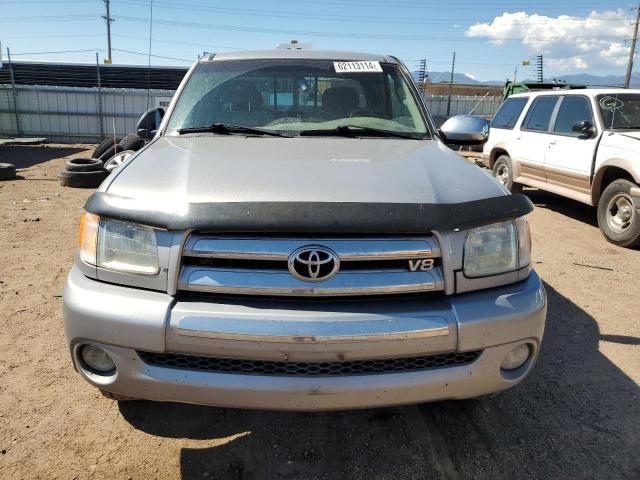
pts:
pixel 343 330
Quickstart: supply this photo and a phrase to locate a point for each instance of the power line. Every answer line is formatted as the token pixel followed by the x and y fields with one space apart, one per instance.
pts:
pixel 47 18
pixel 343 17
pixel 178 42
pixel 154 56
pixel 57 51
pixel 369 35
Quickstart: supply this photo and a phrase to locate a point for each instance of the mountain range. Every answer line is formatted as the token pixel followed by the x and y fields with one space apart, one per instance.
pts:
pixel 580 78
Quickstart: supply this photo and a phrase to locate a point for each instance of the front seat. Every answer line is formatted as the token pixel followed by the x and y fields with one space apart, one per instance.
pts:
pixel 340 100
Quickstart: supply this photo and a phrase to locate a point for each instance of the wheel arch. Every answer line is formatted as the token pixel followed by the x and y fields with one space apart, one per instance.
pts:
pixel 606 174
pixel 496 151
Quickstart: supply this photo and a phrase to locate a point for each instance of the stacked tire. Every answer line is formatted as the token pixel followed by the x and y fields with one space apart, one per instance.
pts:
pixel 90 172
pixel 82 173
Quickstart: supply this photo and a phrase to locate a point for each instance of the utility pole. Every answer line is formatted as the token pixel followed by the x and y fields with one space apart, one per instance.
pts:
pixel 453 68
pixel 540 69
pixel 632 52
pixel 108 20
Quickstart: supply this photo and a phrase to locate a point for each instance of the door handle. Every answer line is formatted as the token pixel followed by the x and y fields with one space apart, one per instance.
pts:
pixel 552 142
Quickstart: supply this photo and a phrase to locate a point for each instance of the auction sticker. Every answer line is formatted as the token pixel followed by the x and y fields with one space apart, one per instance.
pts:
pixel 351 67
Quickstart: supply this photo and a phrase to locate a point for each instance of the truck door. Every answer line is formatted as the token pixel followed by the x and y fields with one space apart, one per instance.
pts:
pixel 569 155
pixel 532 141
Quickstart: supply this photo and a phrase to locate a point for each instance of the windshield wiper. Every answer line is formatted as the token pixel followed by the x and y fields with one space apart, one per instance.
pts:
pixel 226 129
pixel 355 131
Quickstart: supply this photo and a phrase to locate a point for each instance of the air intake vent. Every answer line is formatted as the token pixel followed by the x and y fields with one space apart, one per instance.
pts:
pixel 300 369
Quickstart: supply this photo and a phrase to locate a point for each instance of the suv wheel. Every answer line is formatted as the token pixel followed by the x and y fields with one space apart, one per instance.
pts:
pixel 503 171
pixel 618 217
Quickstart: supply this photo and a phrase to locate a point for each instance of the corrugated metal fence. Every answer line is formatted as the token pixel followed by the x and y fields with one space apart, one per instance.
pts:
pixel 81 114
pixel 73 114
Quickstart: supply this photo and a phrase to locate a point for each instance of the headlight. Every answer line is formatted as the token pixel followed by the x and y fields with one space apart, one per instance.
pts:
pixel 88 237
pixel 117 245
pixel 498 248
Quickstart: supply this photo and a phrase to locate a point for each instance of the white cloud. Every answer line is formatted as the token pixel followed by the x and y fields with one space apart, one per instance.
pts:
pixel 471 76
pixel 567 42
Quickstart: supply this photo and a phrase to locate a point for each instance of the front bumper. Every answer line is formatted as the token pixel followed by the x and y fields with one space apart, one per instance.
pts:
pixel 124 320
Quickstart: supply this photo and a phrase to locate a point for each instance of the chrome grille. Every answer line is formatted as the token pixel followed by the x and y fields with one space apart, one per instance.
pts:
pixel 259 266
pixel 305 369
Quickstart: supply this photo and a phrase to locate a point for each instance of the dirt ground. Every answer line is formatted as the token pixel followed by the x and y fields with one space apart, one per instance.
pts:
pixel 577 416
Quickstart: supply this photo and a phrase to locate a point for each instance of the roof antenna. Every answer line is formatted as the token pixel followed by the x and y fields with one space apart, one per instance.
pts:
pixel 149 58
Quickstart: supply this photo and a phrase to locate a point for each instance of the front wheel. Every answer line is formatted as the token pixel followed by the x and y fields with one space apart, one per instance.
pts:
pixel 503 171
pixel 618 217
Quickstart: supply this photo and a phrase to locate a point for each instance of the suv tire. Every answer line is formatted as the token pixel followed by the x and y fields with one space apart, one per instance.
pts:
pixel 81 179
pixel 84 165
pixel 503 171
pixel 132 142
pixel 618 218
pixel 103 146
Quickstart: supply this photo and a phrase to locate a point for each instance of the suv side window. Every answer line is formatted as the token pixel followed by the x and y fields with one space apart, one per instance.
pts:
pixel 507 116
pixel 573 109
pixel 539 115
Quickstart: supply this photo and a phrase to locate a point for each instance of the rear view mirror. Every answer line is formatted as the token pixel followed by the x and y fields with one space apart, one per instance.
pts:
pixel 149 123
pixel 584 128
pixel 465 130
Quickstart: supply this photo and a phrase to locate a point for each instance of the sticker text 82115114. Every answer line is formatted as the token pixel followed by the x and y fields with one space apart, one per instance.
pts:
pixel 362 66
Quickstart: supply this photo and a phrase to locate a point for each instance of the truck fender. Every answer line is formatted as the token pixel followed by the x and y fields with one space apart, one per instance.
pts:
pixel 610 170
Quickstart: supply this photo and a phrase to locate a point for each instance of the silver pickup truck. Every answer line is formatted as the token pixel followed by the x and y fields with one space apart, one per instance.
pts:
pixel 297 235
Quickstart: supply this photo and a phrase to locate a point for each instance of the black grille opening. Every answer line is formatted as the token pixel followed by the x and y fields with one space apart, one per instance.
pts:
pixel 304 369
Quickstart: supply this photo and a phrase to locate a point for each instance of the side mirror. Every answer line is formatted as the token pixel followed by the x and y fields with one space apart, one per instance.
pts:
pixel 584 128
pixel 149 123
pixel 465 130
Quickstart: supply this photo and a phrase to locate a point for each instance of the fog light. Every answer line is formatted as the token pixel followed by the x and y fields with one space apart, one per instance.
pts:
pixel 97 359
pixel 516 357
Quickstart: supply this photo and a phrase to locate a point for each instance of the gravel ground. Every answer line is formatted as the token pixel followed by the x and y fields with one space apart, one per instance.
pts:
pixel 577 416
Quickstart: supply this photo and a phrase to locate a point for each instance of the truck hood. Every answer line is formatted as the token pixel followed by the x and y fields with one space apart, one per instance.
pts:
pixel 193 169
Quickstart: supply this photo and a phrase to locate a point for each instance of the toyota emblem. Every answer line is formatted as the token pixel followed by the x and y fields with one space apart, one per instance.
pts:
pixel 313 263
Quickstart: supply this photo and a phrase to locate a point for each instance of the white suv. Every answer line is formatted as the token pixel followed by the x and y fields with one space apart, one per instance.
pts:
pixel 582 144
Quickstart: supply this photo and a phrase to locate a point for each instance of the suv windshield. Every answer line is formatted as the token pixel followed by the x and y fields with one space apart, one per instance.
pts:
pixel 620 110
pixel 290 97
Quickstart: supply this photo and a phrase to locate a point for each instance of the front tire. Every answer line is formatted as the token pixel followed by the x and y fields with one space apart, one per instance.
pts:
pixel 618 218
pixel 503 171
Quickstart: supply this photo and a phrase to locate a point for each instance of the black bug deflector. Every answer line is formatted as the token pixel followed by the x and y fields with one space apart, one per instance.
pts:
pixel 315 217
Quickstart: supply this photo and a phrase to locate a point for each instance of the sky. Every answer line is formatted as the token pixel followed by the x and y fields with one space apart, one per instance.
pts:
pixel 490 37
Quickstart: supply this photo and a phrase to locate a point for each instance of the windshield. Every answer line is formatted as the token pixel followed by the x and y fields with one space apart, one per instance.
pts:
pixel 291 97
pixel 620 110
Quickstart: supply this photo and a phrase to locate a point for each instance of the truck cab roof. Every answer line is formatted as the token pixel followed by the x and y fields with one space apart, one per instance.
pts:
pixel 298 54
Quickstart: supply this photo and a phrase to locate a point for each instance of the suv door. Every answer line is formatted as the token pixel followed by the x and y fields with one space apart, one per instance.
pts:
pixel 569 155
pixel 531 142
